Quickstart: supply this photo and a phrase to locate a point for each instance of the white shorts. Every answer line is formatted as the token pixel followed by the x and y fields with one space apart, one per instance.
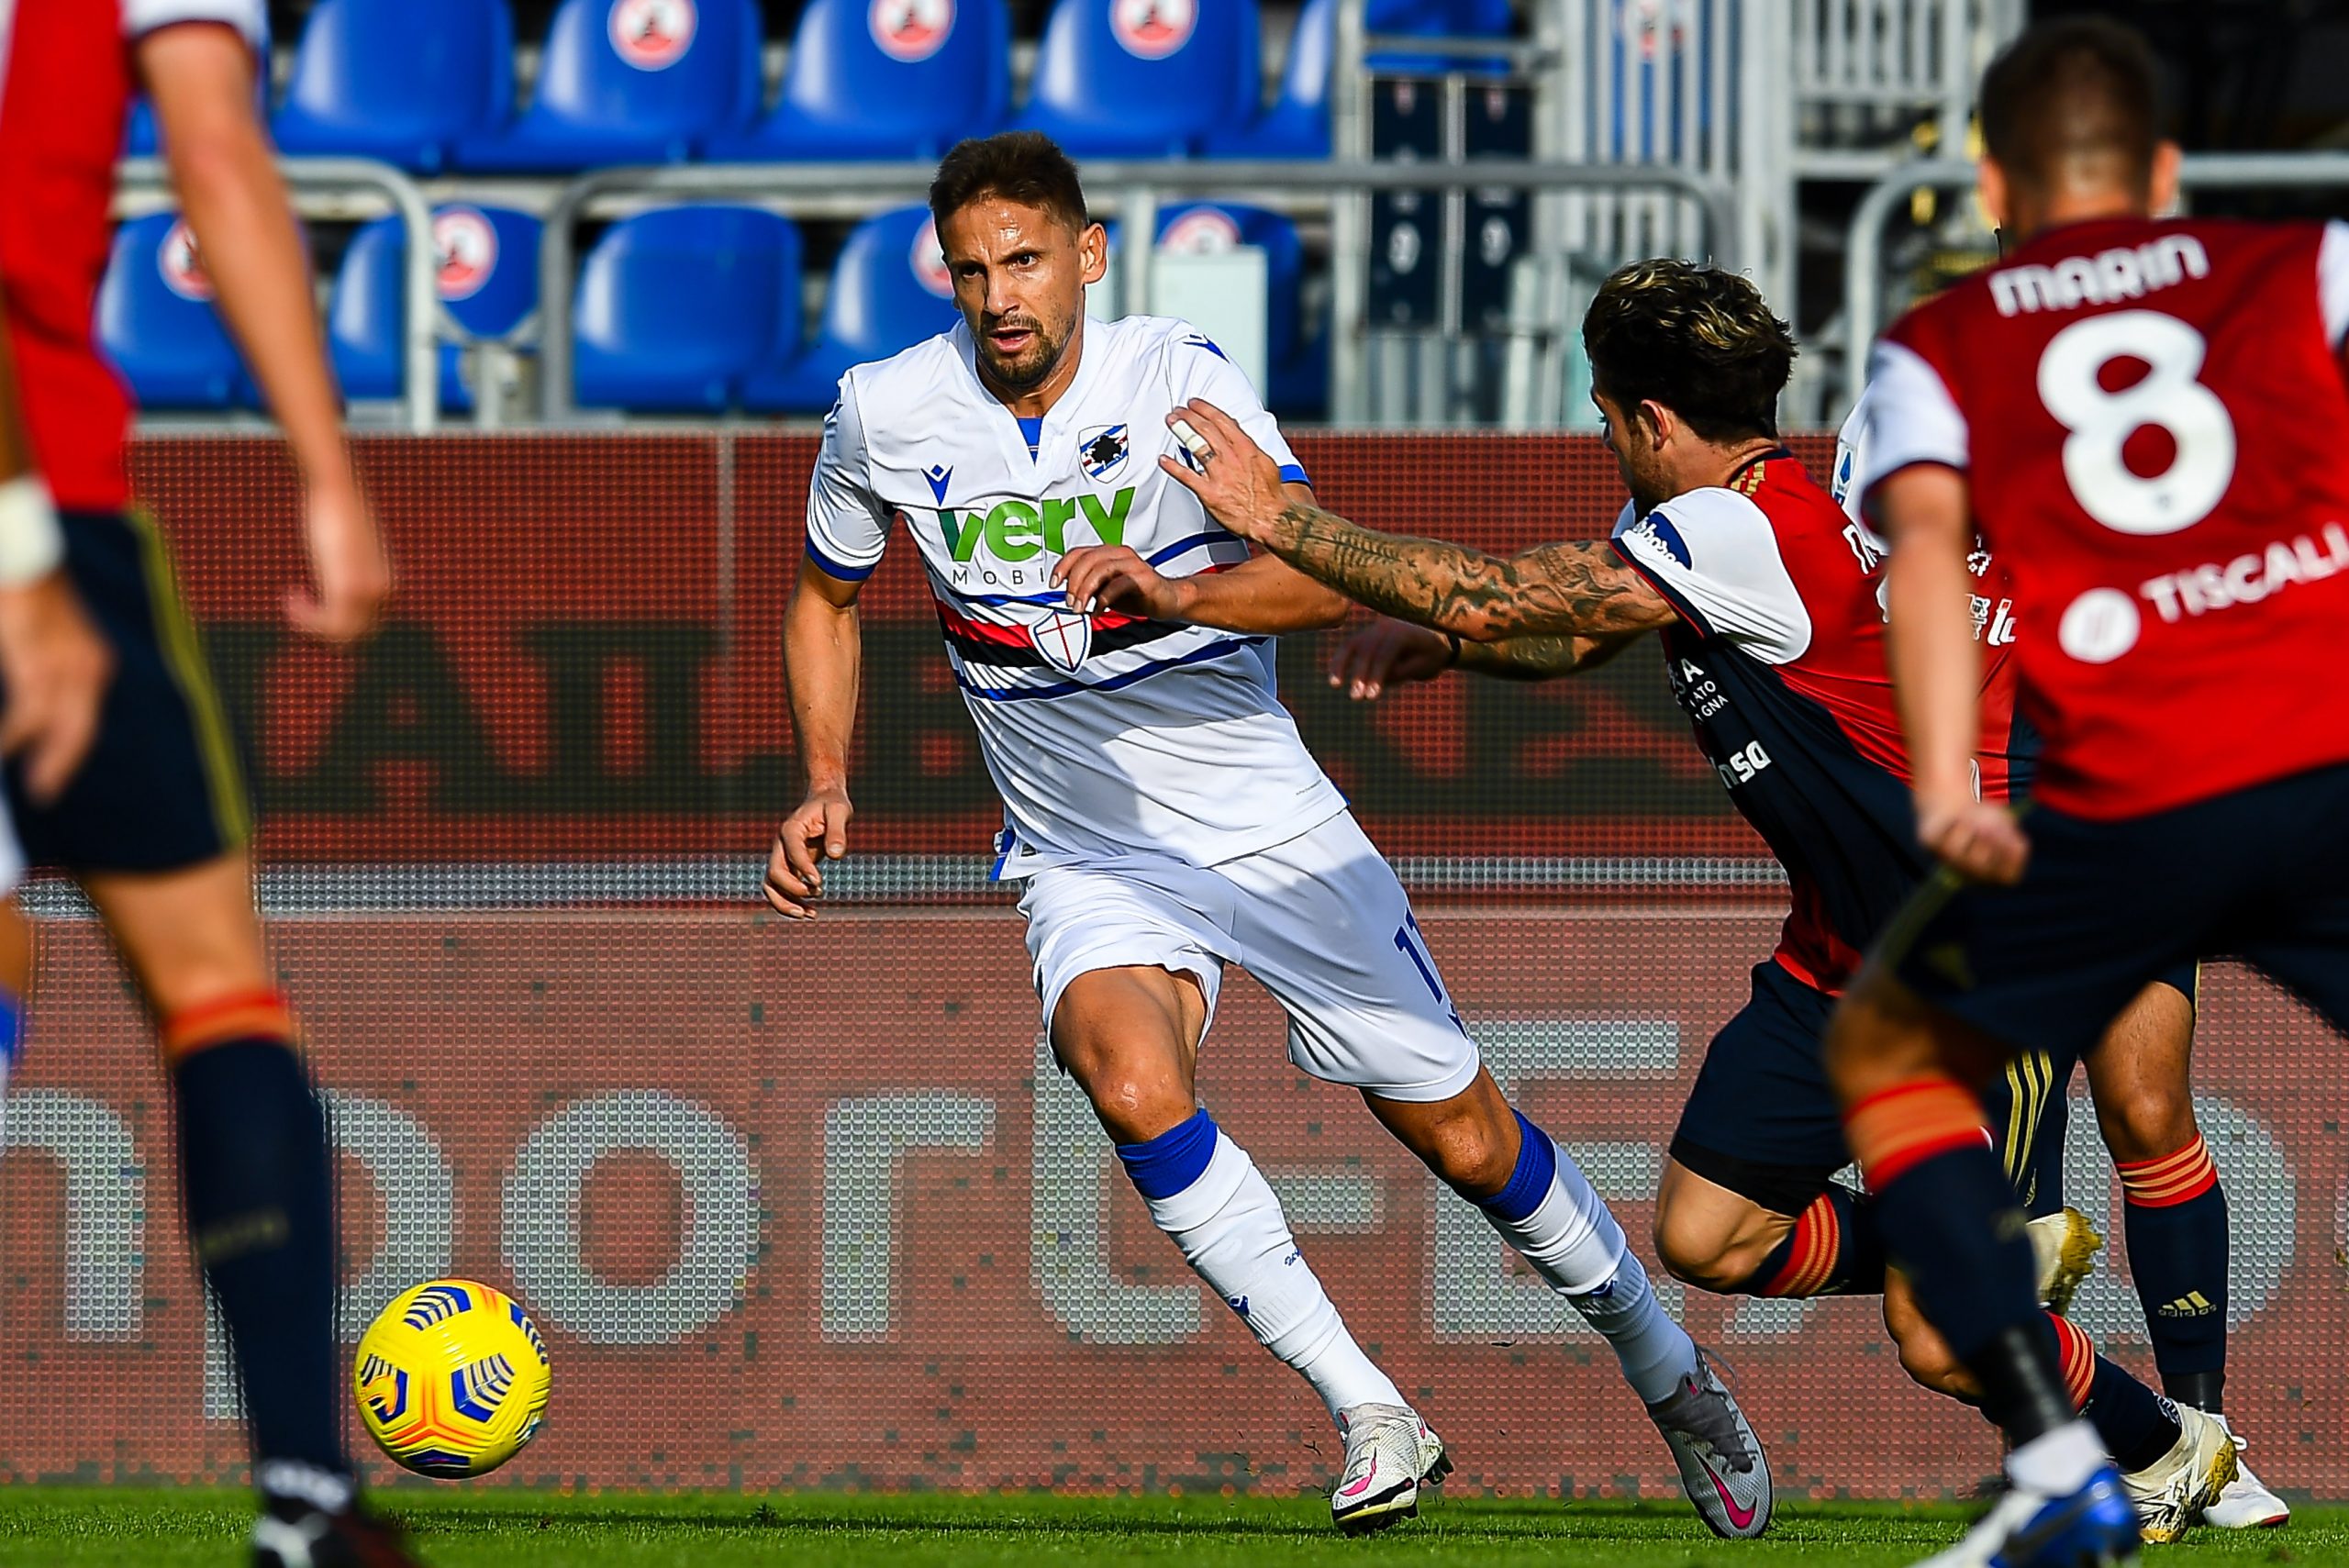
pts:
pixel 1321 921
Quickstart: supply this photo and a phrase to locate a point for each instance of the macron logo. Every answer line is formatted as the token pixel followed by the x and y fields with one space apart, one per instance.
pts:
pixel 940 476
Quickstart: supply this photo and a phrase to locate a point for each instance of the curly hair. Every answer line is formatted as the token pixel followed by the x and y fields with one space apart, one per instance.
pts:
pixel 1697 339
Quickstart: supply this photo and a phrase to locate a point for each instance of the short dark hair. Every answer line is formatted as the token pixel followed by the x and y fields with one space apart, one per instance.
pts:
pixel 2080 89
pixel 1697 339
pixel 1023 166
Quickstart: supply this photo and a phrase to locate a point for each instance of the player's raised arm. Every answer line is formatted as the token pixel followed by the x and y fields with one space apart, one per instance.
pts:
pixel 1262 595
pixel 200 76
pixel 1581 590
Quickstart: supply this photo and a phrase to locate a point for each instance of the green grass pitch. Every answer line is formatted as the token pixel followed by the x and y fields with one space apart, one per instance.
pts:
pixel 82 1528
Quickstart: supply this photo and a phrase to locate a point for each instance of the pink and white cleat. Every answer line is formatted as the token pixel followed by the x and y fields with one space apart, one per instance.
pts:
pixel 1390 1455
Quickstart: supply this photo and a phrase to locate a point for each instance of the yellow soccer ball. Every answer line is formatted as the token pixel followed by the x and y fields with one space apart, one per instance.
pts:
pixel 452 1379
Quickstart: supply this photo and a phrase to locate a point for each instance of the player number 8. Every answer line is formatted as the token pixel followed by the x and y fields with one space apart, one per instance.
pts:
pixel 2168 397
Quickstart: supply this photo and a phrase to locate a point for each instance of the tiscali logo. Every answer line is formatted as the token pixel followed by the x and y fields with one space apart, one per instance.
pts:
pixel 1153 30
pixel 464 243
pixel 929 262
pixel 652 35
pixel 910 31
pixel 1202 231
pixel 181 267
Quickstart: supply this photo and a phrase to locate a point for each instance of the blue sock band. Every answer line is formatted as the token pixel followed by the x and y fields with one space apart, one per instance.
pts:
pixel 12 1026
pixel 1537 1170
pixel 1171 1161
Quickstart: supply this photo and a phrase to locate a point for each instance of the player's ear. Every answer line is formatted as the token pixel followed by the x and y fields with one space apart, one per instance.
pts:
pixel 1990 189
pixel 1656 421
pixel 2163 187
pixel 1092 253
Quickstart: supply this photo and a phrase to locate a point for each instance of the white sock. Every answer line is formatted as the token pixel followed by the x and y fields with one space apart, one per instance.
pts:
pixel 2056 1463
pixel 1231 1228
pixel 1574 1242
pixel 1657 1354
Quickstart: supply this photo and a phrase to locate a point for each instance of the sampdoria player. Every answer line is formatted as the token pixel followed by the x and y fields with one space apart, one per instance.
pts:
pixel 153 824
pixel 2173 591
pixel 1773 636
pixel 1114 649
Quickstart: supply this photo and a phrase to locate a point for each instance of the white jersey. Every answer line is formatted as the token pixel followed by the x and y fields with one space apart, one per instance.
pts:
pixel 1107 734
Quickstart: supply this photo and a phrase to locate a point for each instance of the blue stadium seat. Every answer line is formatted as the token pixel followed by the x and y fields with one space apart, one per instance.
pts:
pixel 1296 367
pixel 156 322
pixel 138 137
pixel 889 291
pixel 630 81
pixel 398 80
pixel 885 79
pixel 1144 78
pixel 489 282
pixel 1297 125
pixel 677 306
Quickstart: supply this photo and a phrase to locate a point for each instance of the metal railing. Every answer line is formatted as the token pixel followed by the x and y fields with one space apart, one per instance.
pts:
pixel 1138 185
pixel 1863 279
pixel 421 319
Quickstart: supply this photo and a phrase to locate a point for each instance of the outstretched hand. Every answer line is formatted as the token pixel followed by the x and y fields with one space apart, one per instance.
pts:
pixel 1233 477
pixel 1389 652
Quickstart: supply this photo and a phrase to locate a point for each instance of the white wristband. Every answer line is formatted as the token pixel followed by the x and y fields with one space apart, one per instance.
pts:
pixel 31 543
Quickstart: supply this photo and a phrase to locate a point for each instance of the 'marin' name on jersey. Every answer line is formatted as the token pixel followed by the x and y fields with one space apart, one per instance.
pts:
pixel 1107 734
pixel 2126 271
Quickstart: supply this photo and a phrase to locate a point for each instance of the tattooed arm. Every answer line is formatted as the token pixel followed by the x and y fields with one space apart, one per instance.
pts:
pixel 1541 658
pixel 1557 592
pixel 1574 590
pixel 1386 653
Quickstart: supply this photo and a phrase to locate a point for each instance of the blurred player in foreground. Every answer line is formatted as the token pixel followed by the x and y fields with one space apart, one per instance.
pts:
pixel 1115 650
pixel 2144 418
pixel 1766 601
pixel 53 674
pixel 153 824
pixel 2174 1210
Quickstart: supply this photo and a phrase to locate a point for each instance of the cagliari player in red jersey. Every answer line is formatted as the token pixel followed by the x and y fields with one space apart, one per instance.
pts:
pixel 2144 418
pixel 153 823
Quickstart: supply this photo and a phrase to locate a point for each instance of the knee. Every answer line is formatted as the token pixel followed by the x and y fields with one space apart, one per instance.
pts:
pixel 2146 1121
pixel 1695 1250
pixel 1925 1356
pixel 1133 1104
pixel 1472 1155
pixel 1929 1365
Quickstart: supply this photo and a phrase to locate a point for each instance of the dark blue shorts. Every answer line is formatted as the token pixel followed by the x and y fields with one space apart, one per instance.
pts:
pixel 1763 1122
pixel 2260 874
pixel 161 789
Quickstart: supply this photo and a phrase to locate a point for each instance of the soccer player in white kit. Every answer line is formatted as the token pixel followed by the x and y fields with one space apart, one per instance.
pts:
pixel 1114 646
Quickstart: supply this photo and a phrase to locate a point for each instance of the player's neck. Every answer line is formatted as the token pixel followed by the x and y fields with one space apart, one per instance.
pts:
pixel 1037 401
pixel 1714 464
pixel 2077 204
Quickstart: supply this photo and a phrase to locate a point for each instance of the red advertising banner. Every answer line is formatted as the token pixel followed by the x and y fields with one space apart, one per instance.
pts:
pixel 585 660
pixel 808 1207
